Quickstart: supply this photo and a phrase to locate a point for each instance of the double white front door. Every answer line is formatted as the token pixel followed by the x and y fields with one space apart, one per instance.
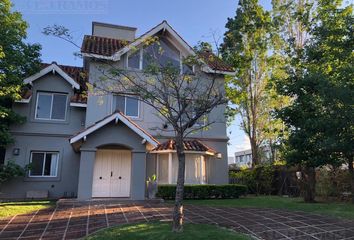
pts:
pixel 111 176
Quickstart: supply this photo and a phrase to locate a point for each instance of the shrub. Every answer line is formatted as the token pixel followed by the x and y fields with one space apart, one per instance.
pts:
pixel 10 170
pixel 203 191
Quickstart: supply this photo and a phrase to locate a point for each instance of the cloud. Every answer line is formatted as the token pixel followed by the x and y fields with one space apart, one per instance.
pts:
pixel 244 144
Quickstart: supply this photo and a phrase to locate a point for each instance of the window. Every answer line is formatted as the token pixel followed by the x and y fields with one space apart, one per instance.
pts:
pixel 44 164
pixel 134 60
pixel 158 54
pixel 51 106
pixel 127 105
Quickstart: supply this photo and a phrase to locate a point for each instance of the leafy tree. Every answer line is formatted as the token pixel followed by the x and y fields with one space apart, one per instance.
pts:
pixel 320 82
pixel 180 98
pixel 246 46
pixel 17 60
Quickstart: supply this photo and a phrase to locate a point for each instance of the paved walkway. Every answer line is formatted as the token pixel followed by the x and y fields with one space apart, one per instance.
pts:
pixel 78 220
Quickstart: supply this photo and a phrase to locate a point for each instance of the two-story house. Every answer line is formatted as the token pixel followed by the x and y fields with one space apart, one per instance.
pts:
pixel 100 145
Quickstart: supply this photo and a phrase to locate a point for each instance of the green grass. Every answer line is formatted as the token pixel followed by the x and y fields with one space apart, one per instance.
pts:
pixel 8 209
pixel 341 210
pixel 162 231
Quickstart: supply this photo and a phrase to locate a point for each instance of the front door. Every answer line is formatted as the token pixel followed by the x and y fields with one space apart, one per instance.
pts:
pixel 111 176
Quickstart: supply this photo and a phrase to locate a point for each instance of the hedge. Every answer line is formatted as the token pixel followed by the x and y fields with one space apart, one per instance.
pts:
pixel 203 191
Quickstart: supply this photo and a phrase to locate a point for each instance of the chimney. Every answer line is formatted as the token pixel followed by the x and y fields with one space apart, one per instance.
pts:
pixel 113 31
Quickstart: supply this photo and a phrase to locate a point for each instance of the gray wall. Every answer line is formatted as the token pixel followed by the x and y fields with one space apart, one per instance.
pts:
pixel 42 135
pixel 68 167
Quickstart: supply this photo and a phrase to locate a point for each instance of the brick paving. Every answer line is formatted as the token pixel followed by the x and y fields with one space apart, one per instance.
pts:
pixel 77 220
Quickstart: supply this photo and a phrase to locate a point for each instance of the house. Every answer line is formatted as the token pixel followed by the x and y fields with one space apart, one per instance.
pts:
pixel 100 145
pixel 243 159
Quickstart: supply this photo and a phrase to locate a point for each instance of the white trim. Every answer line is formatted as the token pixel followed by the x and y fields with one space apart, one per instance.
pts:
pixel 51 106
pixel 24 100
pixel 207 69
pixel 93 55
pixel 170 168
pixel 74 104
pixel 52 68
pixel 44 159
pixel 108 120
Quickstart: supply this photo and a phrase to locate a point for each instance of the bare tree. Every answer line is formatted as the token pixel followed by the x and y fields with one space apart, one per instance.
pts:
pixel 180 92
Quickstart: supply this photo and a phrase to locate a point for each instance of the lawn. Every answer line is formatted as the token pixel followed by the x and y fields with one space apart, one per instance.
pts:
pixel 341 210
pixel 8 209
pixel 162 231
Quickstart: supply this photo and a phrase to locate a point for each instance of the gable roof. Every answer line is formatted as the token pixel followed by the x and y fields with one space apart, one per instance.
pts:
pixel 189 145
pixel 113 49
pixel 116 116
pixel 53 67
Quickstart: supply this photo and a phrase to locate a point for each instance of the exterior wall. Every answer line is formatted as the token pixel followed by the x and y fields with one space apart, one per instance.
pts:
pixel 113 31
pixel 46 135
pixel 100 105
pixel 68 167
pixel 108 136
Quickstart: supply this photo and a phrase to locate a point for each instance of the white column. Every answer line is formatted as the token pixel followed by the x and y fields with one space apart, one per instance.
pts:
pixel 157 167
pixel 170 168
pixel 201 169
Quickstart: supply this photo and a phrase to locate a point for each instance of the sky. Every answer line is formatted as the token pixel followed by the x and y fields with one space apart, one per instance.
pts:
pixel 194 20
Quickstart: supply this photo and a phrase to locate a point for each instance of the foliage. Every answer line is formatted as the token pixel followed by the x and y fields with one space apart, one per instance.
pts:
pixel 17 60
pixel 246 46
pixel 332 182
pixel 161 231
pixel 259 180
pixel 320 81
pixel 336 209
pixel 203 191
pixel 10 170
pixel 9 209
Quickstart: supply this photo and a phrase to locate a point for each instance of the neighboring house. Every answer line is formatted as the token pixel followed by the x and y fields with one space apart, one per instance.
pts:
pixel 243 159
pixel 101 145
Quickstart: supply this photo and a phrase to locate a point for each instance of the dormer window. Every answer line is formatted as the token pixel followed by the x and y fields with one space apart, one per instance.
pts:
pixel 161 54
pixel 51 106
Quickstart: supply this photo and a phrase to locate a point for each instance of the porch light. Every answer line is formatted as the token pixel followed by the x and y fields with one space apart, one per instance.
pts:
pixel 16 151
pixel 218 155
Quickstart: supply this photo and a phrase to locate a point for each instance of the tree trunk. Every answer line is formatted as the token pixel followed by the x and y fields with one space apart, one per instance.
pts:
pixel 178 208
pixel 309 184
pixel 351 171
pixel 255 155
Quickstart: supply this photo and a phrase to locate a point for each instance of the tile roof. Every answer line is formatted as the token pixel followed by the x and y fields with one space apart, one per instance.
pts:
pixel 189 145
pixel 214 62
pixel 101 45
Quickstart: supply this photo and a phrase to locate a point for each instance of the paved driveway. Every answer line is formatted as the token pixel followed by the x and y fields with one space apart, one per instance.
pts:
pixel 72 221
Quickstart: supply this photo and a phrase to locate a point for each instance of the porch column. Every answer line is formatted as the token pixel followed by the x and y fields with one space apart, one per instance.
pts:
pixel 170 168
pixel 201 166
pixel 87 163
pixel 138 176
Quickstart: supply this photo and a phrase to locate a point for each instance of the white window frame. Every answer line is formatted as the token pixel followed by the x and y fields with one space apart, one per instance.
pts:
pixel 45 154
pixel 51 106
pixel 125 105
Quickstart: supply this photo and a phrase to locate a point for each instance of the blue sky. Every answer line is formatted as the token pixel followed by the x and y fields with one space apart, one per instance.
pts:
pixel 194 20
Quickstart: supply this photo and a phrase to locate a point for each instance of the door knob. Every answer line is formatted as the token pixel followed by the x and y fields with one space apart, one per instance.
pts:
pixel 120 177
pixel 100 177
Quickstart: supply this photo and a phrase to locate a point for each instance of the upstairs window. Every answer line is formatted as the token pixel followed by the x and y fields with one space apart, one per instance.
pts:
pixel 127 105
pixel 51 106
pixel 44 164
pixel 161 54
